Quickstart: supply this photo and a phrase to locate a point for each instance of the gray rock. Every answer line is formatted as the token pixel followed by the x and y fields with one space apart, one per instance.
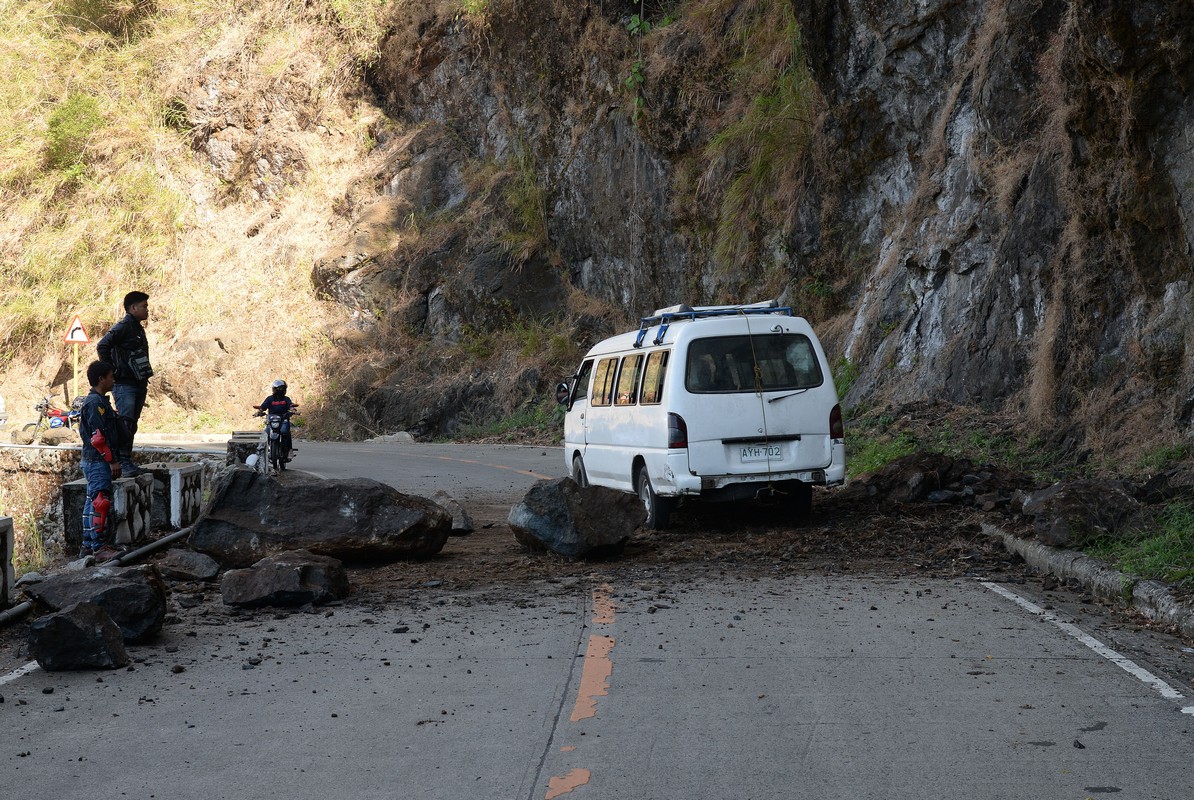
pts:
pixel 560 516
pixel 286 579
pixel 187 565
pixel 134 597
pixel 462 523
pixel 1071 514
pixel 80 636
pixel 252 516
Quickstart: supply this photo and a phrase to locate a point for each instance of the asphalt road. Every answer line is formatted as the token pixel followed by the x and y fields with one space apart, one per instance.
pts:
pixel 490 478
pixel 636 684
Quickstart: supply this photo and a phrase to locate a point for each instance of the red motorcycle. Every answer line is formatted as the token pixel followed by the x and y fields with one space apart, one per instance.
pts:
pixel 50 416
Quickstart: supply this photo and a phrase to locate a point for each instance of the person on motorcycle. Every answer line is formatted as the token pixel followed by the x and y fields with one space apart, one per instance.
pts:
pixel 100 432
pixel 279 403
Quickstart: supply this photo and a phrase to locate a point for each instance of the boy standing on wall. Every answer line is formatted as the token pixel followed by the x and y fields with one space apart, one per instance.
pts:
pixel 101 441
pixel 126 348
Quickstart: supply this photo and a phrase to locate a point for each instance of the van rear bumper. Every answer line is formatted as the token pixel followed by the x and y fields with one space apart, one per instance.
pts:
pixel 735 487
pixel 680 482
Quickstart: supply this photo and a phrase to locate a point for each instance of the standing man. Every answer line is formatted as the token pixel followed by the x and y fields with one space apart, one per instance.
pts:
pixel 100 433
pixel 126 348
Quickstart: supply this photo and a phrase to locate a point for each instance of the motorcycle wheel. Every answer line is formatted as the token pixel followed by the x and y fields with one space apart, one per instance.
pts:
pixel 275 455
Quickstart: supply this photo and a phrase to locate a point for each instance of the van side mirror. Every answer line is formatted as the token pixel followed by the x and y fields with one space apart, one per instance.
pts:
pixel 563 393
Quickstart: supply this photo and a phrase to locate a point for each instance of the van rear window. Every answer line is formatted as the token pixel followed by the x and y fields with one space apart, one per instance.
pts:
pixel 736 363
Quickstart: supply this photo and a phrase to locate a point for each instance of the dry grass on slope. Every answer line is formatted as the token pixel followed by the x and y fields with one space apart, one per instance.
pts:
pixel 106 184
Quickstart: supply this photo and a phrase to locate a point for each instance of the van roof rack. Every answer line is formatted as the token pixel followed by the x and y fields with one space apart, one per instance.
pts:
pixel 665 316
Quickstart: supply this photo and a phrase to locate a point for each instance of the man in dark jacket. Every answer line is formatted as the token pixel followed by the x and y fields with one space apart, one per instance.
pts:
pixel 101 439
pixel 126 348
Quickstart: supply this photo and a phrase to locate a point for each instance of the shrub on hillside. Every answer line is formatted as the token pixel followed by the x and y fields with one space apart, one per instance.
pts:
pixel 114 17
pixel 68 130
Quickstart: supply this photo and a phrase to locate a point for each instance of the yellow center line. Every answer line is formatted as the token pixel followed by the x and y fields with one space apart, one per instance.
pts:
pixel 594 683
pixel 494 466
pixel 563 784
pixel 594 680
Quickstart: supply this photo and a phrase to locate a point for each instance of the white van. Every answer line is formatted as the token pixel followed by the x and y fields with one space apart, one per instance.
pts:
pixel 715 402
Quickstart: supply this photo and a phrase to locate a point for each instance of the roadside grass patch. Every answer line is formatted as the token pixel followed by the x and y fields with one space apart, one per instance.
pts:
pixel 537 422
pixel 19 499
pixel 1164 553
pixel 875 439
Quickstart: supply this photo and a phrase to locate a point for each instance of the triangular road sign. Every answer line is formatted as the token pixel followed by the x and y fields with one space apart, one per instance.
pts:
pixel 75 333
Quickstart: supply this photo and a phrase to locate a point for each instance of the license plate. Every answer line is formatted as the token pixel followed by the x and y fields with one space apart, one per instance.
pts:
pixel 761 452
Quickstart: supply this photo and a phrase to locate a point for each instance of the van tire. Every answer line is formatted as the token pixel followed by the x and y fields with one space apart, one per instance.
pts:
pixel 800 499
pixel 578 472
pixel 658 508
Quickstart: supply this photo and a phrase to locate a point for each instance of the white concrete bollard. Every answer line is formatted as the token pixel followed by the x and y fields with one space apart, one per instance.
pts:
pixel 177 493
pixel 132 499
pixel 132 502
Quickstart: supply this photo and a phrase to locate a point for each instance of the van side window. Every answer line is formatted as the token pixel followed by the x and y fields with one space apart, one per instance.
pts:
pixel 632 368
pixel 766 362
pixel 653 377
pixel 580 389
pixel 603 382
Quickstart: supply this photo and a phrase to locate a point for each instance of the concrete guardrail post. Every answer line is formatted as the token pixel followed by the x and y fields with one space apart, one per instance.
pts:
pixel 132 501
pixel 242 445
pixel 177 493
pixel 7 576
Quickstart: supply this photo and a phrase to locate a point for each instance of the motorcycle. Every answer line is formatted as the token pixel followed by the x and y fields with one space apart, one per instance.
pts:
pixel 50 416
pixel 276 451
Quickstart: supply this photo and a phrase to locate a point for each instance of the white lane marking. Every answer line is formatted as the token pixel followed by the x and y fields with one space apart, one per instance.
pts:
pixel 16 673
pixel 1126 664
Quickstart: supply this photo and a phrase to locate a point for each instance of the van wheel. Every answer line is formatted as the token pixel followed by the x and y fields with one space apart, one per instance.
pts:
pixel 800 499
pixel 578 471
pixel 658 508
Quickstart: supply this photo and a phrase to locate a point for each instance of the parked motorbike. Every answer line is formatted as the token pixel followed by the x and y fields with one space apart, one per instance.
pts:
pixel 277 432
pixel 50 416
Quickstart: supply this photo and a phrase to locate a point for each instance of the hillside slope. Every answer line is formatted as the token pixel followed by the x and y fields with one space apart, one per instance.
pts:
pixel 421 213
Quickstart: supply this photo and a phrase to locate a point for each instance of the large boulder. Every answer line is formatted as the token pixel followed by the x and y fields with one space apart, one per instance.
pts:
pixel 560 516
pixel 81 636
pixel 1072 514
pixel 286 579
pixel 252 516
pixel 134 597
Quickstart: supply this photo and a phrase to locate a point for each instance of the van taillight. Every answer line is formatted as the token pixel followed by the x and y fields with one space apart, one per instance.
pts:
pixel 837 429
pixel 677 431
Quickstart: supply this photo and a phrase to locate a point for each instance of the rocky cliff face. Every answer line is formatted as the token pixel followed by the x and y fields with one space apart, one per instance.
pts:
pixel 982 201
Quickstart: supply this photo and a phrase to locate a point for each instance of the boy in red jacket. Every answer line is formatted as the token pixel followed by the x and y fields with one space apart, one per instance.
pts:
pixel 100 433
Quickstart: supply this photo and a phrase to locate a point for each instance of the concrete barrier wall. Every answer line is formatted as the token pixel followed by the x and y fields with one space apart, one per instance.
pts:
pixel 177 493
pixel 132 501
pixel 7 578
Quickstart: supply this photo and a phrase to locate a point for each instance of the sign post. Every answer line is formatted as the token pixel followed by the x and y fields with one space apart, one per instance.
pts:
pixel 75 335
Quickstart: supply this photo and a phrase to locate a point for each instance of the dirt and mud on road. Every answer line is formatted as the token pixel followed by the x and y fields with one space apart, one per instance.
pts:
pixel 841 536
pixel 846 535
pixel 849 533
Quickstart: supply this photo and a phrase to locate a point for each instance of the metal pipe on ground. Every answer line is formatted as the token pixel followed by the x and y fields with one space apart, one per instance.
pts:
pixel 15 613
pixel 152 547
